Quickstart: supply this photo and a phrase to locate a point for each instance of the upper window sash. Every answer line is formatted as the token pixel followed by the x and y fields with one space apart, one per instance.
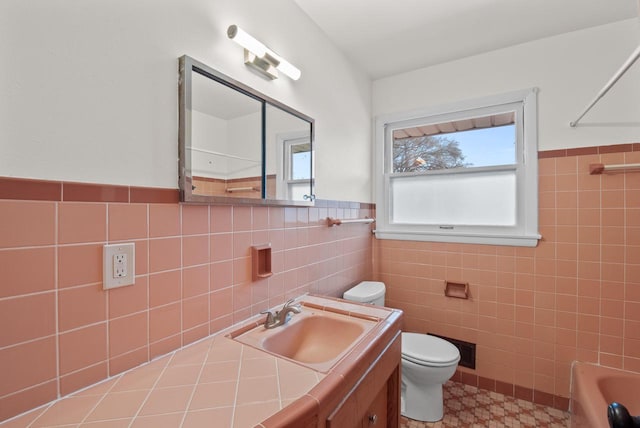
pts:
pixel 516 107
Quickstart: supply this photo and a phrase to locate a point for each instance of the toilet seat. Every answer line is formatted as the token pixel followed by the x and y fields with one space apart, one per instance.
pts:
pixel 427 350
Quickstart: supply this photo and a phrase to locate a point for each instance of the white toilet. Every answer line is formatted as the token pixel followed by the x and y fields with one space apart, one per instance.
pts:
pixel 427 361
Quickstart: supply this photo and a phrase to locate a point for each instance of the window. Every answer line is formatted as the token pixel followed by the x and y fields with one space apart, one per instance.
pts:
pixel 296 165
pixel 460 173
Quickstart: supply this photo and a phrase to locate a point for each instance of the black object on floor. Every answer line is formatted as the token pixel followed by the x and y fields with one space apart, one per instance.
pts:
pixel 619 417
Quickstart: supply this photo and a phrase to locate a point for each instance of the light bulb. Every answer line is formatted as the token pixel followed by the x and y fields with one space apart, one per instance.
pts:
pixel 268 57
pixel 245 40
pixel 289 69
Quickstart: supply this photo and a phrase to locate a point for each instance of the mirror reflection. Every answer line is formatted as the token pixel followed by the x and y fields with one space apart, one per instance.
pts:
pixel 238 145
pixel 225 151
pixel 289 160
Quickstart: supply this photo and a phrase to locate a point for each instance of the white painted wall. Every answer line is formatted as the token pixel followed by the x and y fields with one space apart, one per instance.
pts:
pixel 244 141
pixel 210 134
pixel 569 70
pixel 88 89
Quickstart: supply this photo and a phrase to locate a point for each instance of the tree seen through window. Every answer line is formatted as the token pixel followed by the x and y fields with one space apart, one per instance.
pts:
pixel 463 149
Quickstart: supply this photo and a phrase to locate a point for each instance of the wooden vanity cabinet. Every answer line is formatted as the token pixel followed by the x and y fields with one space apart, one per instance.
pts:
pixel 376 413
pixel 374 400
pixel 363 391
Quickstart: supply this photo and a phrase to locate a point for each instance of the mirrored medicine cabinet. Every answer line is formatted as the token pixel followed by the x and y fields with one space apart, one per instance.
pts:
pixel 239 146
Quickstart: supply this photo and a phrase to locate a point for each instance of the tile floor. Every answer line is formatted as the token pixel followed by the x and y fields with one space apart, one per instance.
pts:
pixel 468 406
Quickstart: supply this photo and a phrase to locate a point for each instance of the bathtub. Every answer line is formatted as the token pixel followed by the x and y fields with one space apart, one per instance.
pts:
pixel 594 387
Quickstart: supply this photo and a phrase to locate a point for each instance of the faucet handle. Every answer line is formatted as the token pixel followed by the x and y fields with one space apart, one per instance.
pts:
pixel 297 308
pixel 289 304
pixel 270 316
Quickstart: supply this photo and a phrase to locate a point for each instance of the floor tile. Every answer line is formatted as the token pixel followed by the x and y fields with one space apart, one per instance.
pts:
pixel 468 406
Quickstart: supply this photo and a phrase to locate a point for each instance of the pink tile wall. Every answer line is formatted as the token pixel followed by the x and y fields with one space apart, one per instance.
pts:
pixel 61 331
pixel 533 311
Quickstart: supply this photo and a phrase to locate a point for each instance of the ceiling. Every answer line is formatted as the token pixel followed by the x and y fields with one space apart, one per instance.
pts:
pixel 387 37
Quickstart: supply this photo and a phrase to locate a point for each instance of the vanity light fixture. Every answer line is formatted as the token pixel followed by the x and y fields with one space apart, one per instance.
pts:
pixel 260 57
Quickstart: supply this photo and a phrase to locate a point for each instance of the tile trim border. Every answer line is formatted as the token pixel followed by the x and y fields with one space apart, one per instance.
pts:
pixel 27 189
pixel 595 150
pixel 64 191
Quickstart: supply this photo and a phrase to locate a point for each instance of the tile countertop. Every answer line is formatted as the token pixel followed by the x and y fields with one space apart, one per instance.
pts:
pixel 214 382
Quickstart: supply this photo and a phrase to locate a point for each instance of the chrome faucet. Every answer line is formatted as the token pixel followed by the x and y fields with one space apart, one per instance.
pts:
pixel 282 316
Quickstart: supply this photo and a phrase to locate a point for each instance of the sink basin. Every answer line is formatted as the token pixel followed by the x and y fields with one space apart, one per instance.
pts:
pixel 314 338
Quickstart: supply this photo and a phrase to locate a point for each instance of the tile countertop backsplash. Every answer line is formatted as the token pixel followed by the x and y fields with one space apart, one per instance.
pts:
pixel 193 277
pixel 215 380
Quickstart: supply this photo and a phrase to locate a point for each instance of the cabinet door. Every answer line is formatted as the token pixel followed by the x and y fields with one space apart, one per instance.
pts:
pixel 376 414
pixel 361 410
pixel 373 394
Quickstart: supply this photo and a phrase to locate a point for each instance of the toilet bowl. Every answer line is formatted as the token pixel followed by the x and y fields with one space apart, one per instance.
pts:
pixel 427 362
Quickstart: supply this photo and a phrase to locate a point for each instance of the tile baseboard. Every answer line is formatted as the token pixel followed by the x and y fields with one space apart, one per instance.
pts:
pixel 512 390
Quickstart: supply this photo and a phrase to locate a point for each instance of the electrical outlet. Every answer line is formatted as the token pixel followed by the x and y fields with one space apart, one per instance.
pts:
pixel 119 265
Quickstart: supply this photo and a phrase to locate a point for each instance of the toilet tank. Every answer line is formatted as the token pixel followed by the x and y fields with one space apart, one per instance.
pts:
pixel 371 292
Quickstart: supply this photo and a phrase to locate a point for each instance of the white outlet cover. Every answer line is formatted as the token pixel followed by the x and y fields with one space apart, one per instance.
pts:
pixel 108 254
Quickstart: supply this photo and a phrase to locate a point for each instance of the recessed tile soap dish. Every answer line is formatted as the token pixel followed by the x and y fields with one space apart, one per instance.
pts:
pixel 261 261
pixel 459 290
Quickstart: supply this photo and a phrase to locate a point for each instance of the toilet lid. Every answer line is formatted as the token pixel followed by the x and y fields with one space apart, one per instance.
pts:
pixel 428 350
pixel 366 291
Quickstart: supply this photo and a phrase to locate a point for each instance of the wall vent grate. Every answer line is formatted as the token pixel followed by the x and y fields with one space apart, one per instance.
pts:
pixel 467 351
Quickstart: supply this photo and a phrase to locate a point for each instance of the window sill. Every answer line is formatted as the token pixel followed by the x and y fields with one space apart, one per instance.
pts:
pixel 511 240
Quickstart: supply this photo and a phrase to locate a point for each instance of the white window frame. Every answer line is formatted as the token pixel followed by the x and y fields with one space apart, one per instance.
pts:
pixel 283 147
pixel 525 232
